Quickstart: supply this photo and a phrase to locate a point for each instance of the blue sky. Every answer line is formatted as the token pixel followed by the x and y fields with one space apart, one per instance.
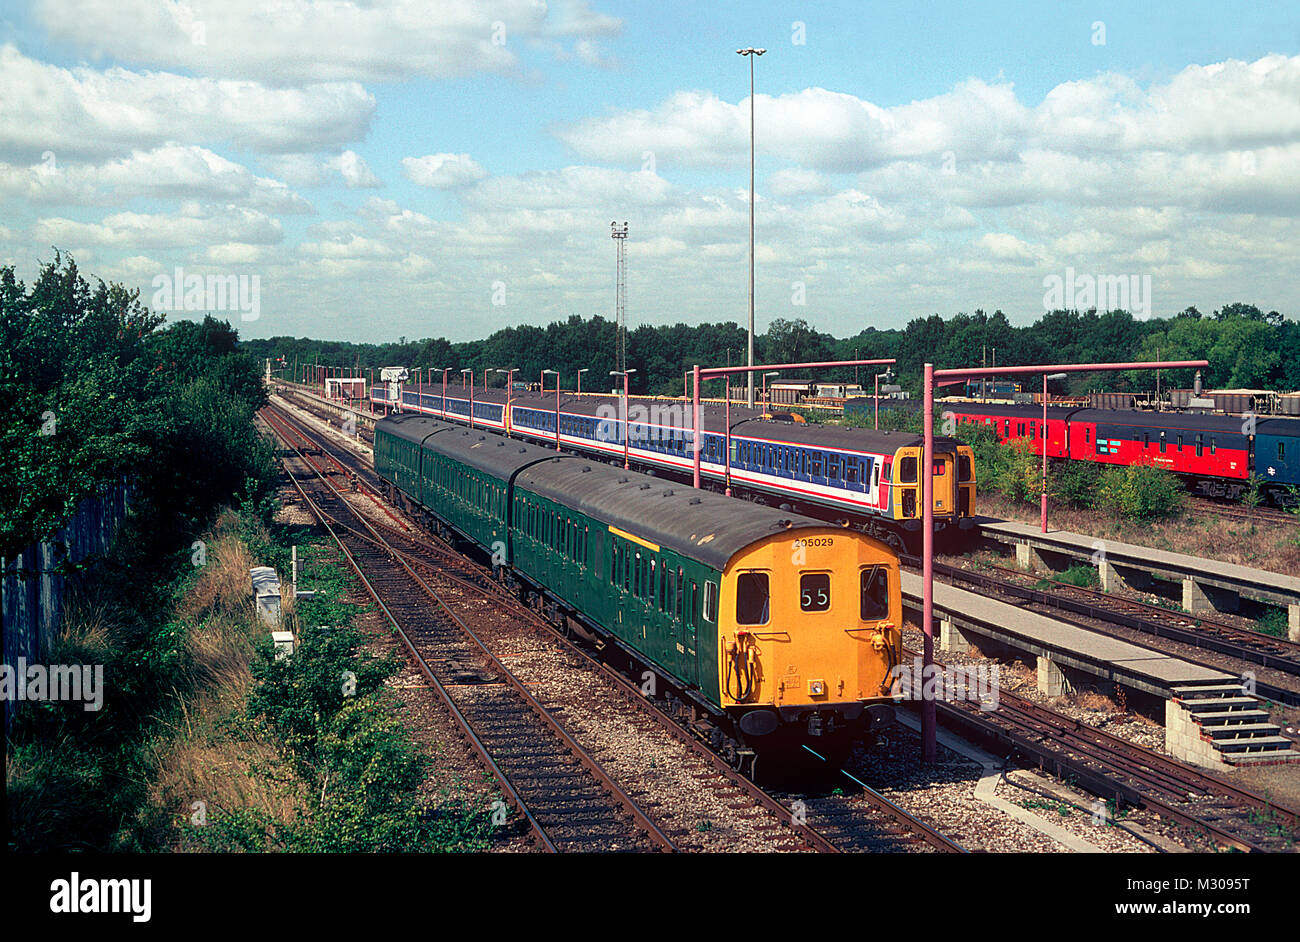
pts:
pixel 402 168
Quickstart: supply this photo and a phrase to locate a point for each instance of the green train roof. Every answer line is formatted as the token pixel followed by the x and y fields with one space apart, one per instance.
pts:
pixel 698 524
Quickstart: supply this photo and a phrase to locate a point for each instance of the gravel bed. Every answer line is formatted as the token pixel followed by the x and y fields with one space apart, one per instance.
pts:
pixel 943 795
pixel 679 790
pixel 1092 710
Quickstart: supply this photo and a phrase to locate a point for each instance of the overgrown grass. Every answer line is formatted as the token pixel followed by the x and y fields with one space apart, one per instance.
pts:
pixel 1083 575
pixel 340 772
pixel 206 741
pixel 1274 622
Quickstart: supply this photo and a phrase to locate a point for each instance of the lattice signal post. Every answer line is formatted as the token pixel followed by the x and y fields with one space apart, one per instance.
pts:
pixel 618 233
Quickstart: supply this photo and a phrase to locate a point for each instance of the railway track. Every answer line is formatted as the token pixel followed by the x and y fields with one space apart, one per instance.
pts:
pixel 1253 647
pixel 1107 765
pixel 1258 514
pixel 559 789
pixel 1114 768
pixel 862 819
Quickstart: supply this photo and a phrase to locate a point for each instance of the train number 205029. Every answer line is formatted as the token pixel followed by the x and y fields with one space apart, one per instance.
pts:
pixel 815 541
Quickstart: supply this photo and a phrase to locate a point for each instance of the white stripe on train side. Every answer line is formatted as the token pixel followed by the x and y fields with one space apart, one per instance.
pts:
pixel 876 498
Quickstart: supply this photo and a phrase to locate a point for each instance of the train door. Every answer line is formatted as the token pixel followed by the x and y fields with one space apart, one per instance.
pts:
pixel 945 482
pixel 1277 458
pixel 690 633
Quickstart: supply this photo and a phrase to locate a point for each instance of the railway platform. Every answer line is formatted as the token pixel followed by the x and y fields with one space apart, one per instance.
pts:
pixel 1207 585
pixel 1068 656
pixel 1061 648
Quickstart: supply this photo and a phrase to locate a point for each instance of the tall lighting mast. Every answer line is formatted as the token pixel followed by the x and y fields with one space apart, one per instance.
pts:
pixel 619 234
pixel 751 54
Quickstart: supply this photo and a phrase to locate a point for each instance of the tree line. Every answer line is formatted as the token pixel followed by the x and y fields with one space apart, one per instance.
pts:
pixel 1245 348
pixel 93 386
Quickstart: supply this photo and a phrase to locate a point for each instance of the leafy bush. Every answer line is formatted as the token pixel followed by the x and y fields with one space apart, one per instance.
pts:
pixel 1140 492
pixel 1083 575
pixel 1075 483
pixel 1253 495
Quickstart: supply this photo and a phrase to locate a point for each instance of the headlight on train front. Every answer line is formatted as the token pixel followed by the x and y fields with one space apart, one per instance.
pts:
pixel 816 688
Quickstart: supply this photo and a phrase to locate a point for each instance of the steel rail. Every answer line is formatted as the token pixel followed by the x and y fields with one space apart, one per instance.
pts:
pixel 809 834
pixel 1039 729
pixel 590 764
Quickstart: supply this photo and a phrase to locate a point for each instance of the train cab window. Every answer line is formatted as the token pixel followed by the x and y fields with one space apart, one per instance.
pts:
pixel 963 467
pixel 907 470
pixel 875 593
pixel 710 602
pixel 752 598
pixel 815 591
pixel 875 476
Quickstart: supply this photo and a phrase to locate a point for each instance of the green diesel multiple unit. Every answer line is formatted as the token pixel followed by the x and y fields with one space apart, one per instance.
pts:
pixel 712 592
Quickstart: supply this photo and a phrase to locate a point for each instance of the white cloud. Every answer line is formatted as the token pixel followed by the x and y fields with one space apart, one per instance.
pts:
pixel 610 191
pixel 82 112
pixel 443 171
pixel 307 170
pixel 192 225
pixel 239 253
pixel 816 128
pixel 354 247
pixel 173 170
pixel 296 41
pixel 1005 247
pixel 796 181
pixel 1228 106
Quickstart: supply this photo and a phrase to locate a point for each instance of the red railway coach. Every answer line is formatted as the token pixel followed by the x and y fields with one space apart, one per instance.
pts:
pixel 1213 450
